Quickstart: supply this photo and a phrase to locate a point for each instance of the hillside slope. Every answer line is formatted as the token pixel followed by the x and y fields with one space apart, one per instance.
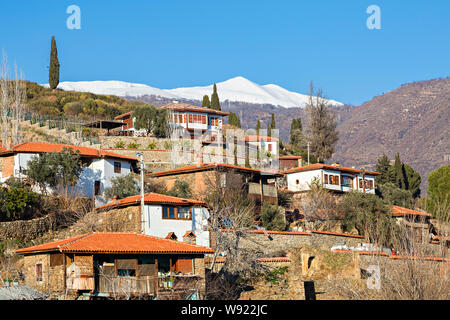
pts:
pixel 412 120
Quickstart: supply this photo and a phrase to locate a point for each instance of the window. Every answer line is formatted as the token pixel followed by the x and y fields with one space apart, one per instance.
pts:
pixel 370 184
pixel 203 119
pixel 117 167
pixel 178 213
pixel 180 118
pixel 56 259
pixel 190 117
pixel 297 181
pixel 326 179
pixel 347 181
pixel 39 272
pixel 97 188
pixel 187 213
pixel 270 146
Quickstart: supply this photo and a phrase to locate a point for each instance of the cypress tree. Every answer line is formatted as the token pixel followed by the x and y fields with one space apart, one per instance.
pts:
pixel 272 122
pixel 269 130
pixel 53 73
pixel 215 104
pixel 234 120
pixel 258 126
pixel 296 137
pixel 399 172
pixel 206 103
pixel 383 165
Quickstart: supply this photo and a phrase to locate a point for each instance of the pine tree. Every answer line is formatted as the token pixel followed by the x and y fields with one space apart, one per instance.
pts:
pixel 53 73
pixel 215 103
pixel 206 103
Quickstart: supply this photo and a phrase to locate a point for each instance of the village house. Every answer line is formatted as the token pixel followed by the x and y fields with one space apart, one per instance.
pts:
pixel 207 122
pixel 417 222
pixel 269 145
pixel 259 185
pixel 289 162
pixel 193 118
pixel 116 265
pixel 100 166
pixel 332 177
pixel 163 216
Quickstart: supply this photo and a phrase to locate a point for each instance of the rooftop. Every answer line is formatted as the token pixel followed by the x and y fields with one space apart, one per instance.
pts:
pixel 150 198
pixel 210 166
pixel 260 138
pixel 191 108
pixel 41 147
pixel 117 242
pixel 398 211
pixel 317 166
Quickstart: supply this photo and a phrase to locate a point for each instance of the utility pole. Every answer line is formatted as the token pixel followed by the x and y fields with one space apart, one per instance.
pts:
pixel 308 152
pixel 141 159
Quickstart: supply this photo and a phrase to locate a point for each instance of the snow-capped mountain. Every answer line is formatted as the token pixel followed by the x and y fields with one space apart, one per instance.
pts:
pixel 235 89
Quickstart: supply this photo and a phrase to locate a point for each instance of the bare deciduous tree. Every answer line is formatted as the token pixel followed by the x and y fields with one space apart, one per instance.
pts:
pixel 319 207
pixel 12 103
pixel 322 124
pixel 231 215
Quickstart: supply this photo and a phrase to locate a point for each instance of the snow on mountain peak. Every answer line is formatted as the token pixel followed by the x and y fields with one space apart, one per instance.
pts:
pixel 237 89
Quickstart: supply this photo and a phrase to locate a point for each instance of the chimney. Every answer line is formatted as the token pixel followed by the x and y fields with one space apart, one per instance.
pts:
pixel 336 164
pixel 189 237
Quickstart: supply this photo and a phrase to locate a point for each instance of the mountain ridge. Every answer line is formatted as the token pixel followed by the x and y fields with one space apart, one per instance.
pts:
pixel 237 89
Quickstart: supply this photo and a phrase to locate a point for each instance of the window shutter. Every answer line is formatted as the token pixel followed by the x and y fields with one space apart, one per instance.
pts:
pixel 184 265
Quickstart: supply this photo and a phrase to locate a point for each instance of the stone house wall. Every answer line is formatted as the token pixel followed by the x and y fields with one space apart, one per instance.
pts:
pixel 52 277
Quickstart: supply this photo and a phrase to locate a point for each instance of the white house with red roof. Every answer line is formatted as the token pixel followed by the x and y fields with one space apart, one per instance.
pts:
pixel 187 117
pixel 166 216
pixel 332 177
pixel 100 166
pixel 262 143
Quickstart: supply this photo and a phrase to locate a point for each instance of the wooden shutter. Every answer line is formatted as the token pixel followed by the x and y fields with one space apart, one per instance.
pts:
pixel 326 179
pixel 184 265
pixel 56 259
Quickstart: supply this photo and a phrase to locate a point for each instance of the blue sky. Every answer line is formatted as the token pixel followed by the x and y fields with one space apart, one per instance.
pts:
pixel 172 43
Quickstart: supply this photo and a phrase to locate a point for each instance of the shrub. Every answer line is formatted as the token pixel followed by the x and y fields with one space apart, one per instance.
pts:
pixel 180 189
pixel 271 217
pixel 17 203
pixel 133 145
pixel 151 145
pixel 119 144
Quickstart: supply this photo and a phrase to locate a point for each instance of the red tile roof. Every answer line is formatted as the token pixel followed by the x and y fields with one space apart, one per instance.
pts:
pixel 118 242
pixel 124 115
pixel 317 166
pixel 209 166
pixel 190 108
pixel 398 211
pixel 41 147
pixel 290 157
pixel 151 198
pixel 258 138
pixel 339 234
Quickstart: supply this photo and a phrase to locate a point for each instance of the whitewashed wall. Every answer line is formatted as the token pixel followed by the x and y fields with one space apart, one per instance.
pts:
pixel 155 225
